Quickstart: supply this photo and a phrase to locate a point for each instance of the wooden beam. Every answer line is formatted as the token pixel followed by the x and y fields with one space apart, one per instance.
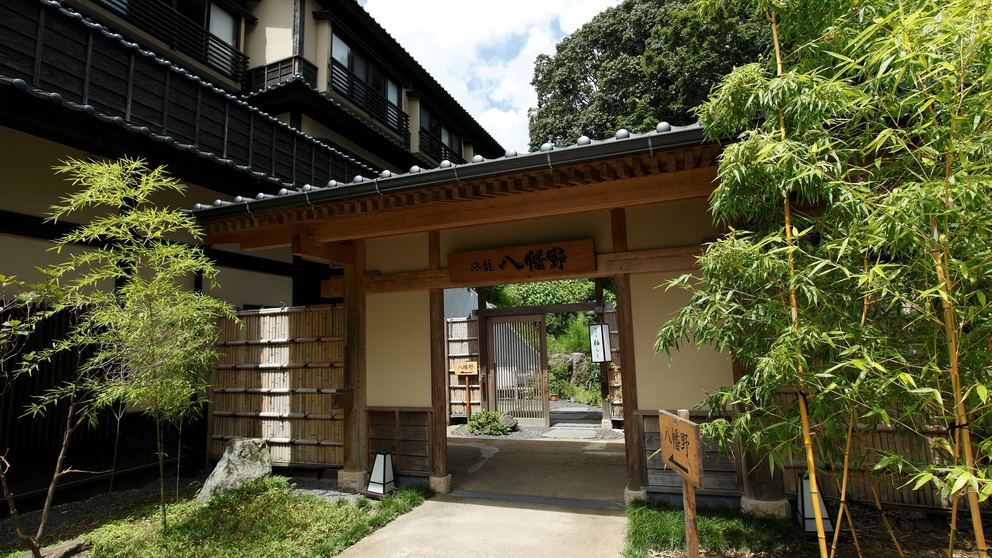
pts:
pixel 307 247
pixel 661 260
pixel 648 190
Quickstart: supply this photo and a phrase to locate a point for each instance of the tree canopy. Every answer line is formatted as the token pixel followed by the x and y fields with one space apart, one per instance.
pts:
pixel 637 64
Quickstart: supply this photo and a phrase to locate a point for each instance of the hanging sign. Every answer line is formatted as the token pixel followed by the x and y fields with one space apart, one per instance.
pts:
pixel 535 262
pixel 599 343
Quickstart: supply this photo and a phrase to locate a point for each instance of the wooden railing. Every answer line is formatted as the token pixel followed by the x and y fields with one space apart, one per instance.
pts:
pixel 182 34
pixel 275 73
pixel 370 101
pixel 45 48
pixel 433 147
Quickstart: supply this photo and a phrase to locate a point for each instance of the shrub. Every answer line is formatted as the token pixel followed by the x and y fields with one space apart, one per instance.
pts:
pixel 488 423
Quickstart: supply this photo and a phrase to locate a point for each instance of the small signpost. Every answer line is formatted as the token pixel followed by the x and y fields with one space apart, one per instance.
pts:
pixel 467 370
pixel 681 451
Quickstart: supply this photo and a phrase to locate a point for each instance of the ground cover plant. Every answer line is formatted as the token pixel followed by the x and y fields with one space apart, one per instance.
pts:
pixel 488 423
pixel 654 527
pixel 263 518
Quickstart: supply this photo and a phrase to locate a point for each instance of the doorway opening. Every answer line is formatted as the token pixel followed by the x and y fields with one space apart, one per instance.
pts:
pixel 534 361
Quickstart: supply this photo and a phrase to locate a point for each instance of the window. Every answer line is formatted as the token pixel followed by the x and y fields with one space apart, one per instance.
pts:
pixel 437 139
pixel 366 71
pixel 224 25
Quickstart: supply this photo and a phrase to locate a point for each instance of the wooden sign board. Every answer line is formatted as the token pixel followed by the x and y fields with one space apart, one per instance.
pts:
pixel 466 368
pixel 680 447
pixel 535 262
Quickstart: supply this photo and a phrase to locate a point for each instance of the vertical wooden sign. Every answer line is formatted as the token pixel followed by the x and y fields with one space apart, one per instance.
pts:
pixel 681 451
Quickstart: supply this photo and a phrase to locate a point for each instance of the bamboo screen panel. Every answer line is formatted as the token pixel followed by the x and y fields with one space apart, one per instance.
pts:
pixel 281 378
pixel 463 346
pixel 868 444
pixel 613 377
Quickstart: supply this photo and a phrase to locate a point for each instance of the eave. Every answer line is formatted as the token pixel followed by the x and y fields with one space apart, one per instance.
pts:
pixel 659 167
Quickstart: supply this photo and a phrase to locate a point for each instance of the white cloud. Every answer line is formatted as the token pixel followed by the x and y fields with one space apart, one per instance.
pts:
pixel 483 52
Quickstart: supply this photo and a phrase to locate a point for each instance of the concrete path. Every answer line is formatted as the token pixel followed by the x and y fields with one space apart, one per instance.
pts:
pixel 510 498
pixel 453 527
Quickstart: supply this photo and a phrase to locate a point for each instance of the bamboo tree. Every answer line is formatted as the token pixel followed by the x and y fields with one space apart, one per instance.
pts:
pixel 153 338
pixel 879 130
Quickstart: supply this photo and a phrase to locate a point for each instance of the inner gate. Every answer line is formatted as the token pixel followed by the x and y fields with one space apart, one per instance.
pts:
pixel 519 364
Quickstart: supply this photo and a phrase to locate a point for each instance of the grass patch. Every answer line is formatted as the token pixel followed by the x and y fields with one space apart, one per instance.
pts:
pixel 653 527
pixel 261 519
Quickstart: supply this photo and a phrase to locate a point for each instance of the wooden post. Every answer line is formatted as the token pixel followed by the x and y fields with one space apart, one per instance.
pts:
pixel 486 380
pixel 468 397
pixel 689 505
pixel 439 369
pixel 355 453
pixel 633 428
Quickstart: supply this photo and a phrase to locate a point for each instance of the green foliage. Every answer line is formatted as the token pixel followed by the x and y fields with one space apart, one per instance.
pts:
pixel 487 423
pixel 858 272
pixel 637 64
pixel 152 338
pixel 575 337
pixel 23 306
pixel 560 380
pixel 262 518
pixel 542 294
pixel 653 527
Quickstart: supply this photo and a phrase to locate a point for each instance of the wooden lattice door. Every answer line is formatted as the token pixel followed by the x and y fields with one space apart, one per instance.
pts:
pixel 518 365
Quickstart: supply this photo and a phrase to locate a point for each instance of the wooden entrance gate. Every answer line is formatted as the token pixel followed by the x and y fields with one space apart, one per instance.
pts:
pixel 518 361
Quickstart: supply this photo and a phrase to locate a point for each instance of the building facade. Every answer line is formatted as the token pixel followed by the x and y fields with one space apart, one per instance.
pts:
pixel 239 99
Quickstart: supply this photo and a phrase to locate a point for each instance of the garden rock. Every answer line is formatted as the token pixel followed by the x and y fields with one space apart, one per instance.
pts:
pixel 72 549
pixel 508 421
pixel 244 459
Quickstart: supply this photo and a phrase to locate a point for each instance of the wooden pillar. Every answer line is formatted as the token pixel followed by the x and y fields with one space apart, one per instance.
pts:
pixel 440 481
pixel 604 367
pixel 633 429
pixel 355 472
pixel 486 379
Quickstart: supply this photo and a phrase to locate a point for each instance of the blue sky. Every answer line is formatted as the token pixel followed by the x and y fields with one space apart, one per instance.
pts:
pixel 483 52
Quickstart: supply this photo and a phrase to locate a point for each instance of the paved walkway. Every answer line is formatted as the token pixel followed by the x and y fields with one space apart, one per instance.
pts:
pixel 516 498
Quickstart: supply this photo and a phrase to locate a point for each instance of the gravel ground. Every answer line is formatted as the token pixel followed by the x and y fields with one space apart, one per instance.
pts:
pixel 561 412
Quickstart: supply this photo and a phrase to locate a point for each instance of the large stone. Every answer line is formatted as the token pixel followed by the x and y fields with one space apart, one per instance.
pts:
pixel 508 421
pixel 244 459
pixel 780 509
pixel 73 549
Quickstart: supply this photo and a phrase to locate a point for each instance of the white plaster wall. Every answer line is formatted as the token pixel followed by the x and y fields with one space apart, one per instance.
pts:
pixel 396 254
pixel 271 39
pixel 241 287
pixel 679 383
pixel 686 223
pixel 398 349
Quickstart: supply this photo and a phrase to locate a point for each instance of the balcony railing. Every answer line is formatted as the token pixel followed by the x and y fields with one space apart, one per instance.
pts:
pixel 46 48
pixel 182 34
pixel 433 147
pixel 277 72
pixel 372 102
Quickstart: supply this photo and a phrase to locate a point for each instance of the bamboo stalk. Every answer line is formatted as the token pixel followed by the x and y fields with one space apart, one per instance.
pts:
pixel 794 310
pixel 843 494
pixel 941 258
pixel 878 504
